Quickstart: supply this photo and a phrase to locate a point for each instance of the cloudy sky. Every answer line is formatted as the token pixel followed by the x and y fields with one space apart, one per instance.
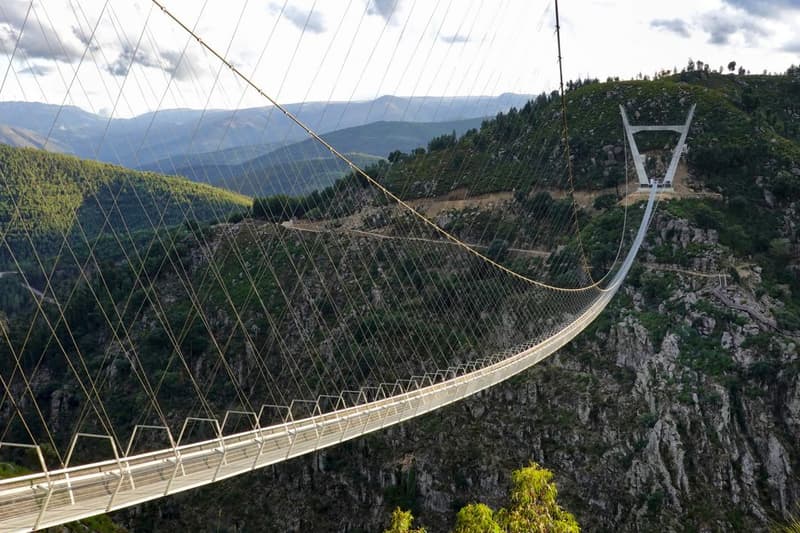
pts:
pixel 126 57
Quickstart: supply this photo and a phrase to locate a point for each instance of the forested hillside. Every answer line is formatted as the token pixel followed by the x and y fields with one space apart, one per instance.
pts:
pixel 678 409
pixel 44 196
pixel 743 126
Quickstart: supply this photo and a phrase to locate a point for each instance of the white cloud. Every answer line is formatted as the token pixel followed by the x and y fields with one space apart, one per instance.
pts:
pixel 26 30
pixel 383 8
pixel 465 47
pixel 310 20
pixel 676 26
pixel 722 26
pixel 763 8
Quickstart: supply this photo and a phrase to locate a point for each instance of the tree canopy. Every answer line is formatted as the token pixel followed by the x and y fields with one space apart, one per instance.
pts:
pixel 533 505
pixel 401 523
pixel 476 517
pixel 533 508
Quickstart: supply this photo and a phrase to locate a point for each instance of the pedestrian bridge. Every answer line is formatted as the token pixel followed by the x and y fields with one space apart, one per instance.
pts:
pixel 281 343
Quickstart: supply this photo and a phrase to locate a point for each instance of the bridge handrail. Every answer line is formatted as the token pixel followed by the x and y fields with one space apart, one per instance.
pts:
pixel 84 475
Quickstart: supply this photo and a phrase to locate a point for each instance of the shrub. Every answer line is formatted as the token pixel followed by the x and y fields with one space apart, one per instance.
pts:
pixel 786 186
pixel 789 319
pixel 498 250
pixel 605 201
pixel 401 523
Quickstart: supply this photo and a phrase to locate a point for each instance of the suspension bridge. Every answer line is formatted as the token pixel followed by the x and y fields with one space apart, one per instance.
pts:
pixel 227 348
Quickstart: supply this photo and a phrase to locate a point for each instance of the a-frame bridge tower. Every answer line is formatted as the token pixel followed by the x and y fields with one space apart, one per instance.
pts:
pixel 644 181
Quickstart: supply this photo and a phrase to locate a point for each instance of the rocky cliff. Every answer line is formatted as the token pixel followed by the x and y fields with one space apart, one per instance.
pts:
pixel 679 410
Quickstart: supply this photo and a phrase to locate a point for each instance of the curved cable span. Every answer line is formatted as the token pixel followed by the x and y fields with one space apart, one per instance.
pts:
pixel 595 285
pixel 55 497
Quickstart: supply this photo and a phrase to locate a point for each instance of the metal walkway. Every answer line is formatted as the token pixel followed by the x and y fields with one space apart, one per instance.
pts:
pixel 59 496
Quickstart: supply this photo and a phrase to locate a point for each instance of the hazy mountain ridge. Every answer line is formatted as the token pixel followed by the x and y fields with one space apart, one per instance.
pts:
pixel 306 166
pixel 137 141
pixel 276 175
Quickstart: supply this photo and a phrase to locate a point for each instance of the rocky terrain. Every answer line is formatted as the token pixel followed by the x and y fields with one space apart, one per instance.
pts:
pixel 678 411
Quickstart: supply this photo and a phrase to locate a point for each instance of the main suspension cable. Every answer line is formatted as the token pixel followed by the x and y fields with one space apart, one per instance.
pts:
pixel 313 134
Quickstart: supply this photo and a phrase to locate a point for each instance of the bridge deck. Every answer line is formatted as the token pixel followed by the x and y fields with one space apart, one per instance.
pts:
pixel 42 500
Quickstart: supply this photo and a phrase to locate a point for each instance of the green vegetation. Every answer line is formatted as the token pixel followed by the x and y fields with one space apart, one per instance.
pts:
pixel 336 200
pixel 754 232
pixel 704 354
pixel 533 506
pixel 792 526
pixel 401 523
pixel 404 494
pixel 605 201
pixel 8 470
pixel 476 518
pixel 742 127
pixel 137 279
pixel 48 195
pixel 95 524
pixel 601 238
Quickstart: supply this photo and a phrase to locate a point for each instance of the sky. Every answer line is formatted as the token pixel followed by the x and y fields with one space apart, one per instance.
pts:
pixel 127 57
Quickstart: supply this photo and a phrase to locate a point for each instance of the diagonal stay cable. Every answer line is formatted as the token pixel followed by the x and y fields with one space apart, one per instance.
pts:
pixel 355 167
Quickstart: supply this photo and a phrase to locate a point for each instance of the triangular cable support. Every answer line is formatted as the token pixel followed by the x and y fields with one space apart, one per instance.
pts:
pixel 645 182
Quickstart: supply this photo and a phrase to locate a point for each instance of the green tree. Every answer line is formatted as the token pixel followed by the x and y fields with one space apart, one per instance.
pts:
pixel 401 523
pixel 497 250
pixel 605 201
pixel 750 100
pixel 533 505
pixel 476 518
pixel 780 248
pixel 533 508
pixel 442 142
pixel 396 156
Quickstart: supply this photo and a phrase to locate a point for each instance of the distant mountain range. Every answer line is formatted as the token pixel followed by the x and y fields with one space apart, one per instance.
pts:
pixel 25 138
pixel 146 139
pixel 304 166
